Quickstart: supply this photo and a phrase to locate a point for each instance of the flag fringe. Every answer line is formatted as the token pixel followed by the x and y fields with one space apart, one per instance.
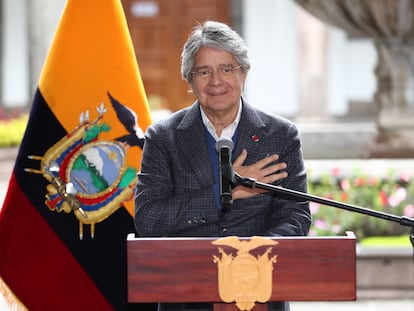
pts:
pixel 9 299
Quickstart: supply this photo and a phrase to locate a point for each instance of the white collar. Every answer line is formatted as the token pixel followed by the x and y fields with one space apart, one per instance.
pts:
pixel 228 131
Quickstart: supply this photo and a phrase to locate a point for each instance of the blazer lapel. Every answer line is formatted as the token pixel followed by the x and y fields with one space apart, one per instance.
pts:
pixel 192 146
pixel 251 131
pixel 191 142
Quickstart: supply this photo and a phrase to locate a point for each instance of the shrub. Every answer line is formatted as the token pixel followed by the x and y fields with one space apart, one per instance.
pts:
pixel 392 194
pixel 12 130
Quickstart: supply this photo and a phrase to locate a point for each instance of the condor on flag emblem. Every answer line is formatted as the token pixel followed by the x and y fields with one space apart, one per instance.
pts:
pixel 89 176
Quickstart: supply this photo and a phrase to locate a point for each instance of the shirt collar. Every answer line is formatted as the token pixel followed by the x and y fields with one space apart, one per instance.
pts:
pixel 228 131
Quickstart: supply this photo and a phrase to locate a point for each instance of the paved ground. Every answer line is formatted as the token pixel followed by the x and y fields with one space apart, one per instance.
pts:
pixel 359 305
pixel 7 162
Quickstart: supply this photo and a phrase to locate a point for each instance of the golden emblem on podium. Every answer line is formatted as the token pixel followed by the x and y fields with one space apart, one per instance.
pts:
pixel 245 278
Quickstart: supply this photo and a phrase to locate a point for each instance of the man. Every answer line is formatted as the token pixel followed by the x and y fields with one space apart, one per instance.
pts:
pixel 178 187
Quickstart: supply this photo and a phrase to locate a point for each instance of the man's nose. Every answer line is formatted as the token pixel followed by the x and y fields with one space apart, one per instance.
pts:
pixel 216 77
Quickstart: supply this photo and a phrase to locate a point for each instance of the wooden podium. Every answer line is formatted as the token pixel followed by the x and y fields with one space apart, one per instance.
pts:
pixel 183 270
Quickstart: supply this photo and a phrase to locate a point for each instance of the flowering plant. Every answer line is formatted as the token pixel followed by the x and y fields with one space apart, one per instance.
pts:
pixel 12 130
pixel 391 194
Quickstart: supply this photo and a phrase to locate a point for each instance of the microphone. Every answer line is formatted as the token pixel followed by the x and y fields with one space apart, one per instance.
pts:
pixel 224 147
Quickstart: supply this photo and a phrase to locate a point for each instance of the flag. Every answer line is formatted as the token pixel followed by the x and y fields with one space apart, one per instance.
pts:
pixel 69 204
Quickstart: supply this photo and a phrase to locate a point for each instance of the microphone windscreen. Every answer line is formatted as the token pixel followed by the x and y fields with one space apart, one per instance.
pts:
pixel 224 142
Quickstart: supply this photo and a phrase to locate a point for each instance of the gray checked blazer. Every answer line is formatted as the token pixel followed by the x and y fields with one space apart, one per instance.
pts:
pixel 174 193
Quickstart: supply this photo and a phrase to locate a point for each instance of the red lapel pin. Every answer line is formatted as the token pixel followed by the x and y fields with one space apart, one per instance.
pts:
pixel 255 138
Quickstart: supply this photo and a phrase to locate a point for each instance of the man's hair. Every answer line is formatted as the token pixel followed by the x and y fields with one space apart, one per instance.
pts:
pixel 214 35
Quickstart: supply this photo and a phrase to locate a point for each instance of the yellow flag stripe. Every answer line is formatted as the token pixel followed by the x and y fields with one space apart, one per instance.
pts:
pixel 92 54
pixel 84 63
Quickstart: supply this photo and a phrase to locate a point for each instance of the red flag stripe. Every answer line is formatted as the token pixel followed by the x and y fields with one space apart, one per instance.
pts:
pixel 42 260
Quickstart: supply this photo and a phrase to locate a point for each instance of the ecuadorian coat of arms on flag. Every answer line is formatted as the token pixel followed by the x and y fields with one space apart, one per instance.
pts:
pixel 89 176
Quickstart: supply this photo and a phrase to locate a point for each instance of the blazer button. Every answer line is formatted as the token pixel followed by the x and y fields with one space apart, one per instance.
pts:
pixel 196 220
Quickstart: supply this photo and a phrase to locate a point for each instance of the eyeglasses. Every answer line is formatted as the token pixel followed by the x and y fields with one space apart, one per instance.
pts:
pixel 225 72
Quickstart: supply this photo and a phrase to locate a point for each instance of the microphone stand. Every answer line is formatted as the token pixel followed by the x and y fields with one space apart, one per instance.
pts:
pixel 252 183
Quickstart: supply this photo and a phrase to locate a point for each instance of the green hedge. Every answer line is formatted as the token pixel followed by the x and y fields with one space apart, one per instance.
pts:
pixel 12 130
pixel 391 194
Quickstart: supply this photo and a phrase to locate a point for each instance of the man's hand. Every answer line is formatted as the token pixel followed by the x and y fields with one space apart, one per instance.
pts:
pixel 264 170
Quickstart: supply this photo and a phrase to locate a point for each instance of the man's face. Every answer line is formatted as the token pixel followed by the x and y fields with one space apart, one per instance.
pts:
pixel 217 80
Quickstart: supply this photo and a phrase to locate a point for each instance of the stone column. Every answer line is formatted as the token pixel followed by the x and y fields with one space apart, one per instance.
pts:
pixel 312 66
pixel 43 16
pixel 391 25
pixel 394 100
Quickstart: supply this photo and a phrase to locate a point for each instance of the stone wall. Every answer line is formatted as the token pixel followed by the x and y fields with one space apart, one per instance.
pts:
pixel 385 273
